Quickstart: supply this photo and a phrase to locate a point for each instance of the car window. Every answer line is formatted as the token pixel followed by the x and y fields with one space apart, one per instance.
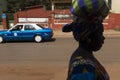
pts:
pixel 29 27
pixel 17 28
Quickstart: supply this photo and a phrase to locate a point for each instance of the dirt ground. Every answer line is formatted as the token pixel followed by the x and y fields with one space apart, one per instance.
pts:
pixel 33 72
pixel 114 71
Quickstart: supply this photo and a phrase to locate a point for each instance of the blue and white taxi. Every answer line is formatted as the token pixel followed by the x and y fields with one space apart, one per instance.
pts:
pixel 26 32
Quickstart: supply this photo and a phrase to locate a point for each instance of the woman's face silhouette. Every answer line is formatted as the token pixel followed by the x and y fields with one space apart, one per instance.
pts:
pixel 97 39
pixel 94 40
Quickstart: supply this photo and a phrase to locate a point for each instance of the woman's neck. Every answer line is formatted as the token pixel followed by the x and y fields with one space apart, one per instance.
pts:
pixel 85 52
pixel 85 46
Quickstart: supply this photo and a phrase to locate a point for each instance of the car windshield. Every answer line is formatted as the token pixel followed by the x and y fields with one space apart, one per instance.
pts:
pixel 40 26
pixel 17 28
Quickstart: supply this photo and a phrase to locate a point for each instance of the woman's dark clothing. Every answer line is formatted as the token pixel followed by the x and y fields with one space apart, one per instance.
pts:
pixel 84 66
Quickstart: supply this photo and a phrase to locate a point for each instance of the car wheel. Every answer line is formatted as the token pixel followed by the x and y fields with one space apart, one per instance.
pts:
pixel 38 38
pixel 1 39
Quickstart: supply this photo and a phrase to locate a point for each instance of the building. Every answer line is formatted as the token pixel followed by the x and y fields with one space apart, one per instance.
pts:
pixel 115 7
pixel 33 14
pixel 113 19
pixel 61 15
pixel 60 4
pixel 56 18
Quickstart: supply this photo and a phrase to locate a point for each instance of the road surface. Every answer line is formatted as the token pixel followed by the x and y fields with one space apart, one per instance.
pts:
pixel 49 60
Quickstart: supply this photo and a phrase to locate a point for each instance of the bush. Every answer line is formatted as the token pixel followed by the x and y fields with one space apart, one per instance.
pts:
pixel 10 16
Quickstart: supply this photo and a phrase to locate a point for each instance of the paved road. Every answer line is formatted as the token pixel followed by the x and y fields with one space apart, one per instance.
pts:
pixel 20 52
pixel 58 50
pixel 47 60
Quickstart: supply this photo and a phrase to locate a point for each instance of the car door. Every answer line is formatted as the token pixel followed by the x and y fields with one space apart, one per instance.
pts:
pixel 15 34
pixel 29 32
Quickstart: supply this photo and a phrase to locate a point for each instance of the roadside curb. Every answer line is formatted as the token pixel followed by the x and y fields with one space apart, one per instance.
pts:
pixel 112 33
pixel 107 33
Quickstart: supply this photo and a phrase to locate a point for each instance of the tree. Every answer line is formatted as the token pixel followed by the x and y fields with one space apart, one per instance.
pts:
pixel 47 3
pixel 16 5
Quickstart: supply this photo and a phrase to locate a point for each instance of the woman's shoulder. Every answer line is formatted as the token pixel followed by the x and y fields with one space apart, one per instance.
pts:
pixel 82 68
pixel 79 60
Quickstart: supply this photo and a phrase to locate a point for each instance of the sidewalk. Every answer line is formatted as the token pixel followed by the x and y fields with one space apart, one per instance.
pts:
pixel 112 33
pixel 59 33
pixel 107 33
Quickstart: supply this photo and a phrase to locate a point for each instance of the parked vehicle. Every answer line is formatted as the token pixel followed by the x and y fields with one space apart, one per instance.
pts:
pixel 26 32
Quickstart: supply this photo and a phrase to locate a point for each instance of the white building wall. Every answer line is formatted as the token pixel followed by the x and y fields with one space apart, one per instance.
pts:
pixel 115 6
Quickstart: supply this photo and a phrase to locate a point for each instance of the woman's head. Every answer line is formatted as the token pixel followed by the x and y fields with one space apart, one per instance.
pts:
pixel 90 37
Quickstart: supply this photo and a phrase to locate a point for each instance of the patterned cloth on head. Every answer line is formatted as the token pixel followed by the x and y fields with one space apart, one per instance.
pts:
pixel 90 9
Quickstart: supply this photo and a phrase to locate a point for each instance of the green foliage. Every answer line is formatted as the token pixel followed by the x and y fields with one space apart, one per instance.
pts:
pixel 10 16
pixel 16 5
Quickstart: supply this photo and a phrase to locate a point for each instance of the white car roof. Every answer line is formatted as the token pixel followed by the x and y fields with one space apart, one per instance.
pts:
pixel 25 23
pixel 34 24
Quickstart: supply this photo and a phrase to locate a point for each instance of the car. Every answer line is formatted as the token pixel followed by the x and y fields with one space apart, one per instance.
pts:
pixel 26 32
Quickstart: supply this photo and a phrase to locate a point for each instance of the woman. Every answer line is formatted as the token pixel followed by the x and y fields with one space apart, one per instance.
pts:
pixel 83 65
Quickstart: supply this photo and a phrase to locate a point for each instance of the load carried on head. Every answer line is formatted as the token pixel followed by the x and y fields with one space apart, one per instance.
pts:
pixel 88 16
pixel 89 10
